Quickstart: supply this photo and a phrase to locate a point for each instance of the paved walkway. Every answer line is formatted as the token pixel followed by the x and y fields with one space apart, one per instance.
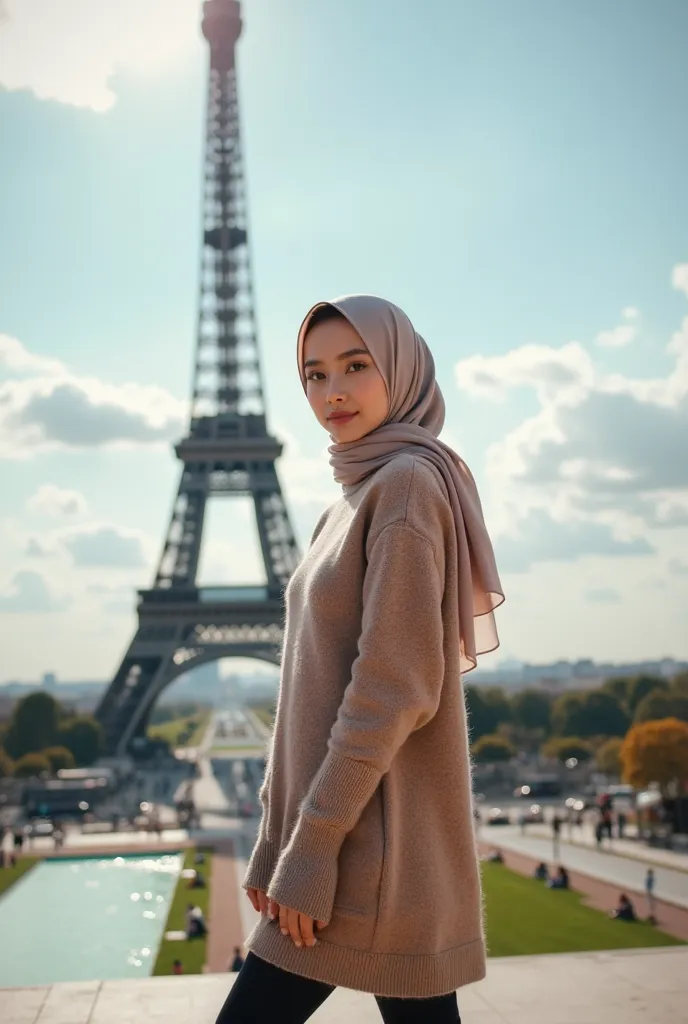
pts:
pixel 624 987
pixel 224 919
pixel 622 872
pixel 630 847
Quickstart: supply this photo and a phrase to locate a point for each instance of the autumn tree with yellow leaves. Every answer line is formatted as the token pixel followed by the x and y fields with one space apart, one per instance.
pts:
pixel 656 751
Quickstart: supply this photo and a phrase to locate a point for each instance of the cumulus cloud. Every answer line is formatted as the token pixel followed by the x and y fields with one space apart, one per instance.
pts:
pixel 603 446
pixel 622 334
pixel 44 406
pixel 70 50
pixel 50 500
pixel 540 538
pixel 30 593
pixel 105 547
pixel 34 549
pixel 679 278
pixel 603 595
pixel 548 370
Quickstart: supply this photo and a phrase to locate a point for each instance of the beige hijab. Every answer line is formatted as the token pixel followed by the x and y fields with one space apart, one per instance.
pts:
pixel 415 418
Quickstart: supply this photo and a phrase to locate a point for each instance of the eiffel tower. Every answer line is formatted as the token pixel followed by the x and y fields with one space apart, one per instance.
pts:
pixel 228 450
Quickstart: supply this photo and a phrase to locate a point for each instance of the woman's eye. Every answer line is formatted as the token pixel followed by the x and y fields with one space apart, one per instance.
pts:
pixel 315 375
pixel 357 366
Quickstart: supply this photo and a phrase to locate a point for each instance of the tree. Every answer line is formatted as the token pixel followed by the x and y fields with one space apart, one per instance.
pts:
pixel 491 749
pixel 659 704
pixel 34 724
pixel 59 757
pixel 561 748
pixel 608 757
pixel 481 717
pixel 656 751
pixel 83 736
pixel 30 765
pixel 640 686
pixel 532 709
pixel 618 686
pixel 591 713
pixel 498 705
pixel 6 765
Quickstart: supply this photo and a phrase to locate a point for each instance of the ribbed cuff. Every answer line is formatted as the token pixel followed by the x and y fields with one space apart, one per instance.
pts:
pixel 305 878
pixel 261 865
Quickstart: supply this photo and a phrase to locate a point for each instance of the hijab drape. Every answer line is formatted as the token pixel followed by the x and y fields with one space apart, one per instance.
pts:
pixel 414 421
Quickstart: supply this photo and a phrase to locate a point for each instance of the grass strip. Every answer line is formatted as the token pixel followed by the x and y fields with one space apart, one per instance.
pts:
pixel 524 917
pixel 8 876
pixel 191 952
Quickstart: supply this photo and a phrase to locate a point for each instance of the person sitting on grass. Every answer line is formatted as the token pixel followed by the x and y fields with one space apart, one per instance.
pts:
pixel 541 872
pixel 561 879
pixel 177 967
pixel 495 857
pixel 625 910
pixel 195 922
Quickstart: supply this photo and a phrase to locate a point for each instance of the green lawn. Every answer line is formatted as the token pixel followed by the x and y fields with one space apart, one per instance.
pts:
pixel 172 731
pixel 191 953
pixel 525 917
pixel 8 876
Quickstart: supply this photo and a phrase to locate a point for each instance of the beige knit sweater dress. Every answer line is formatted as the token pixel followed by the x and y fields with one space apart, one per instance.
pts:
pixel 367 812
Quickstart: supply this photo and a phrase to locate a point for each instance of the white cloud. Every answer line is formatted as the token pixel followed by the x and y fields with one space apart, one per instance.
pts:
pixel 679 278
pixel 30 593
pixel 49 407
pixel 69 50
pixel 617 337
pixel 540 538
pixel 603 595
pixel 105 547
pixel 605 449
pixel 548 370
pixel 50 500
pixel 630 313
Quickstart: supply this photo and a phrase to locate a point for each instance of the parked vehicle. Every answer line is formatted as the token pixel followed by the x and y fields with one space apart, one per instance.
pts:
pixel 498 817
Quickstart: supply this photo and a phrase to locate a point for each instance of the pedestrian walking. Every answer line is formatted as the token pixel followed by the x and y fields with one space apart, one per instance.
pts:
pixel 650 894
pixel 556 836
pixel 391 604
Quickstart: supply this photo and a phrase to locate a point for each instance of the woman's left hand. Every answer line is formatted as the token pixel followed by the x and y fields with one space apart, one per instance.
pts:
pixel 298 926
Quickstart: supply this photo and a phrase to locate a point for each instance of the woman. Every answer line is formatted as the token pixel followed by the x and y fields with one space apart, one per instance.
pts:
pixel 365 870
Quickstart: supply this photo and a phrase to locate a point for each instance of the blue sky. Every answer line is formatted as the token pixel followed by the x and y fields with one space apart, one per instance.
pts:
pixel 511 172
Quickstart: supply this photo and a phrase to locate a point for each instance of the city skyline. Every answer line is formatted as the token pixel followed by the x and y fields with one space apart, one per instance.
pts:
pixel 535 236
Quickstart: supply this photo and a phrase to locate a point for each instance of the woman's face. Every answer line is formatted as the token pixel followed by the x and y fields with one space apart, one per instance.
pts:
pixel 344 386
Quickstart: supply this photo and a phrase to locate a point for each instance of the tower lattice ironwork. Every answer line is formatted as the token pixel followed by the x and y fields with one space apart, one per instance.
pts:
pixel 228 449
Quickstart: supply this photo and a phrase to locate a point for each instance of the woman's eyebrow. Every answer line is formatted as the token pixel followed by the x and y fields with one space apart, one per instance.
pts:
pixel 340 358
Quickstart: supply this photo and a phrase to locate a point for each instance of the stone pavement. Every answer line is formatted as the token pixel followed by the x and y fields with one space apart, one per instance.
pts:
pixel 654 856
pixel 625 987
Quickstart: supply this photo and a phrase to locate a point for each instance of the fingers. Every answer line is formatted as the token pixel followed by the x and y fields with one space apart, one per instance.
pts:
pixel 262 902
pixel 253 896
pixel 273 909
pixel 299 927
pixel 306 929
pixel 320 924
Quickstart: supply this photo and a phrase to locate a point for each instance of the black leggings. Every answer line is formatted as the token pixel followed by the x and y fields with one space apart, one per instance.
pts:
pixel 264 994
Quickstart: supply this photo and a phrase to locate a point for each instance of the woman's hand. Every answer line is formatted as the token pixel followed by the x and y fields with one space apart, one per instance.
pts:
pixel 298 926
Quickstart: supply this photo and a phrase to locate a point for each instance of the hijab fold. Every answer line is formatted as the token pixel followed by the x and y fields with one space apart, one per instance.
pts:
pixel 414 421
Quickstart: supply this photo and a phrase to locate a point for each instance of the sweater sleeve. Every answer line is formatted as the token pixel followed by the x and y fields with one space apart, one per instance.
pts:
pixel 395 688
pixel 264 856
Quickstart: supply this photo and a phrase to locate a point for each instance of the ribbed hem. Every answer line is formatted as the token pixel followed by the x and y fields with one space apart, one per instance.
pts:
pixel 383 974
pixel 261 865
pixel 305 878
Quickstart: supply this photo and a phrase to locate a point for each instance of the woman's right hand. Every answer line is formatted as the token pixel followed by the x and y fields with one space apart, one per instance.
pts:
pixel 261 904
